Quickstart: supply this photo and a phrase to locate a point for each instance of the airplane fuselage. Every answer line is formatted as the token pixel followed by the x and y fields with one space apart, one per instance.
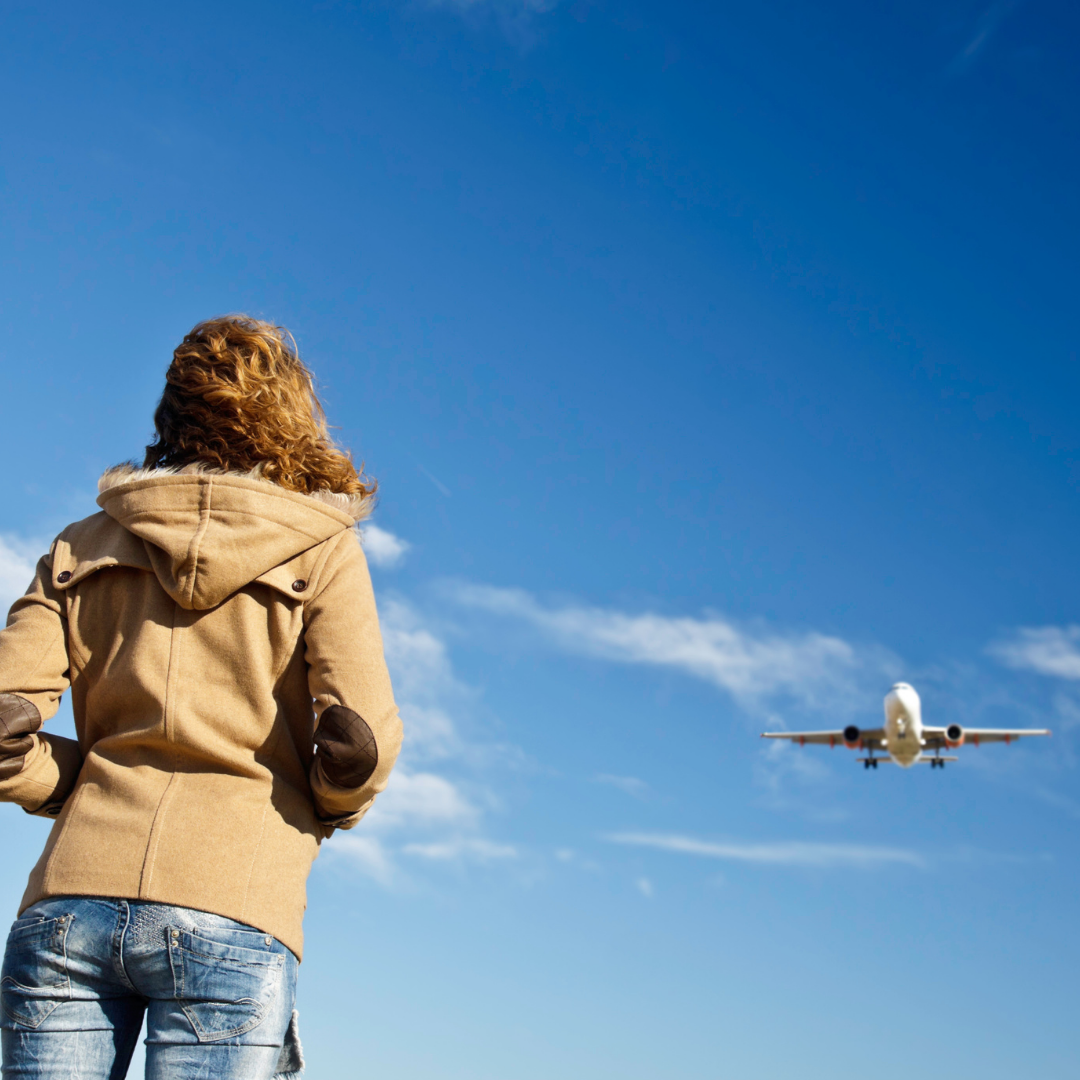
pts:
pixel 903 725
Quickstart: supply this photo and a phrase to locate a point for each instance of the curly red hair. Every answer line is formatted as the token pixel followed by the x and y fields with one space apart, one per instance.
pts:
pixel 238 397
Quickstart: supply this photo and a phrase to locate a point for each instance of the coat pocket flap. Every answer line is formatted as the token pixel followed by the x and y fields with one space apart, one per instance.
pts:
pixel 293 578
pixel 107 544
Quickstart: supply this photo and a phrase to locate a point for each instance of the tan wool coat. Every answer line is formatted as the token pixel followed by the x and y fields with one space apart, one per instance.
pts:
pixel 219 638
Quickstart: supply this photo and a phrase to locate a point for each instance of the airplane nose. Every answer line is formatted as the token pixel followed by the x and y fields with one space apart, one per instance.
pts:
pixel 904 695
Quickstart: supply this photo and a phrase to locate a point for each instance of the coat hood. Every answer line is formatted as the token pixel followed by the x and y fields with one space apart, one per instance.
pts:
pixel 208 534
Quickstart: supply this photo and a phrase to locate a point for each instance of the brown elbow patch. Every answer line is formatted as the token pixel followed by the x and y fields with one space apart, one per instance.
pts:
pixel 19 719
pixel 346 747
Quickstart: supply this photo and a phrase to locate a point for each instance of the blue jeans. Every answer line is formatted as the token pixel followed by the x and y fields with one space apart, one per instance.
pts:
pixel 79 972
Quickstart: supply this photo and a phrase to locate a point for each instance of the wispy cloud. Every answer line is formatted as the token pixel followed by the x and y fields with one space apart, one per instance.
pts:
pixel 18 558
pixel 367 853
pixel 439 485
pixel 383 547
pixel 423 812
pixel 513 10
pixel 1047 650
pixel 507 5
pixel 1058 801
pixel 794 780
pixel 787 853
pixel 747 661
pixel 515 18
pixel 473 849
pixel 422 799
pixel 413 803
pixel 986 25
pixel 424 681
pixel 419 814
pixel 1066 707
pixel 631 785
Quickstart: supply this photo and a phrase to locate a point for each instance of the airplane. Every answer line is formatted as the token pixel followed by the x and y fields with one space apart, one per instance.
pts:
pixel 905 738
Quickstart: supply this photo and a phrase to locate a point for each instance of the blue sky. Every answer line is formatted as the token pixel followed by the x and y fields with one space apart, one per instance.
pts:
pixel 718 364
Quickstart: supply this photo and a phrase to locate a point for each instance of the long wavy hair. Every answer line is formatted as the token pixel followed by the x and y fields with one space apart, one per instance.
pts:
pixel 238 398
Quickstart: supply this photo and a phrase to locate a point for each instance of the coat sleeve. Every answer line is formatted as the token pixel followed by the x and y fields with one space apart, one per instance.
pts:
pixel 358 732
pixel 37 771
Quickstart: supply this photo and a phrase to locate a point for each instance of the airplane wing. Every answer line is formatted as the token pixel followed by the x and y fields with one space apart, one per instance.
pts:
pixel 935 737
pixel 869 738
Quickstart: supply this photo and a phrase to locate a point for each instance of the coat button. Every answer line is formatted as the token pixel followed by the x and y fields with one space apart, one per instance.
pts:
pixel 299 585
pixel 65 576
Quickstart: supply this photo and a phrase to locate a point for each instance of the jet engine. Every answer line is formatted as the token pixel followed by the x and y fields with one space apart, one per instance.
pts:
pixel 954 736
pixel 851 736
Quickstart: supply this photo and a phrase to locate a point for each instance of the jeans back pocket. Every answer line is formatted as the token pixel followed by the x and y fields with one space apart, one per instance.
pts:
pixel 223 980
pixel 35 977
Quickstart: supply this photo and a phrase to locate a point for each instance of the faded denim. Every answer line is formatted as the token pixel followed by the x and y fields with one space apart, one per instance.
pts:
pixel 80 972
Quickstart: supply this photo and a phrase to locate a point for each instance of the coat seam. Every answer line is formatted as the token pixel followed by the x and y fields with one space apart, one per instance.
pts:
pixel 197 539
pixel 319 569
pixel 324 559
pixel 146 877
pixel 287 657
pixel 153 841
pixel 73 648
pixel 255 853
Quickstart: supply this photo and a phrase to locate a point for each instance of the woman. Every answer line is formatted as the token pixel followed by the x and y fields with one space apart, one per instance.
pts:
pixel 216 627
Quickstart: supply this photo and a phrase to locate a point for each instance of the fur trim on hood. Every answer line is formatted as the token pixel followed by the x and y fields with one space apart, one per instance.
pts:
pixel 357 507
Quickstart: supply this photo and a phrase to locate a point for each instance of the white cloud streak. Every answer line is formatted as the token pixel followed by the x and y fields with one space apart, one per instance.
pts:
pixel 511 9
pixel 747 662
pixel 473 849
pixel 383 548
pixel 413 800
pixel 422 813
pixel 786 853
pixel 986 26
pixel 1047 650
pixel 515 18
pixel 630 785
pixel 424 682
pixel 17 561
pixel 366 853
pixel 415 805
